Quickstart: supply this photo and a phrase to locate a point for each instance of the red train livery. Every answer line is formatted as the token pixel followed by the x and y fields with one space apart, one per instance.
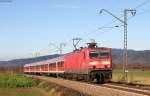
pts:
pixel 90 63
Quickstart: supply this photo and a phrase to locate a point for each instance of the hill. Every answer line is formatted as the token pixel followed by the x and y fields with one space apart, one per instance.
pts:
pixel 17 62
pixel 134 57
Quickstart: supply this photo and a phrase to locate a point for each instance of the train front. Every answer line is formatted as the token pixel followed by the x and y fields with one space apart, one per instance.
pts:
pixel 99 63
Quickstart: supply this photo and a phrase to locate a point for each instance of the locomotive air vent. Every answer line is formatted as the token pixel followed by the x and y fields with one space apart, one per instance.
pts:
pixel 92 44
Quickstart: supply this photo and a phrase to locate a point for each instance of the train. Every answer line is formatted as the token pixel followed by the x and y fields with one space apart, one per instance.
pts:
pixel 91 63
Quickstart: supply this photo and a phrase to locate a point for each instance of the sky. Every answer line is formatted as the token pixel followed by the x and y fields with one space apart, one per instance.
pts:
pixel 28 27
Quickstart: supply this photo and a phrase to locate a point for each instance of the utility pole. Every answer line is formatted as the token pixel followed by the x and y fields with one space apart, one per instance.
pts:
pixel 125 51
pixel 35 55
pixel 59 48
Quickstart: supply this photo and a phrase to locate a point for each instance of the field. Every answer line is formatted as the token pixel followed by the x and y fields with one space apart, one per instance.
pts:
pixel 16 81
pixel 134 76
pixel 18 85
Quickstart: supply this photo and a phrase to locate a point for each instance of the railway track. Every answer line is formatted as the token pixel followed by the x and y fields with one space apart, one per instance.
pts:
pixel 94 89
pixel 124 87
pixel 129 89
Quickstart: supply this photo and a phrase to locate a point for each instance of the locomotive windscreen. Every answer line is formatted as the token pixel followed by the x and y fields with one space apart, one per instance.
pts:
pixel 99 54
pixel 103 55
pixel 94 54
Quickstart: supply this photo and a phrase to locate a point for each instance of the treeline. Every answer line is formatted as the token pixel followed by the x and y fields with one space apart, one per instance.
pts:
pixel 11 69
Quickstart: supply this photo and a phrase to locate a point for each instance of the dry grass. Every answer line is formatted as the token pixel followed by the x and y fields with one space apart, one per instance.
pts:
pixel 52 89
pixel 21 92
pixel 134 76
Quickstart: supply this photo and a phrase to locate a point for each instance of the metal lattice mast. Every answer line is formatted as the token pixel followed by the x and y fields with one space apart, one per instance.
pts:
pixel 125 51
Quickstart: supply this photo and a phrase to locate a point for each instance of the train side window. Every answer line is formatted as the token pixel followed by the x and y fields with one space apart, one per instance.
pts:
pixel 45 65
pixel 42 66
pixel 49 64
pixel 52 65
pixel 61 64
pixel 38 67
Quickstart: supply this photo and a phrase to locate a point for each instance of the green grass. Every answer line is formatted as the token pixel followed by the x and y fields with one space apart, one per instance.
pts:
pixel 19 85
pixel 134 76
pixel 16 81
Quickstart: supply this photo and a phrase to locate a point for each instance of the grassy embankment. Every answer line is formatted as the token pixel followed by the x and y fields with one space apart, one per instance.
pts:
pixel 18 85
pixel 134 76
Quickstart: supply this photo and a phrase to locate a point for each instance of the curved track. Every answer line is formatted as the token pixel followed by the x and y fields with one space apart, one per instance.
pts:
pixel 129 89
pixel 96 89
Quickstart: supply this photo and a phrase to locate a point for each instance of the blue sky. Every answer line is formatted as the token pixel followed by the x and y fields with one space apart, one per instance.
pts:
pixel 28 26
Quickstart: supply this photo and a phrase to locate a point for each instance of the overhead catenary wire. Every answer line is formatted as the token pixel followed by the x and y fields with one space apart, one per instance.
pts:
pixel 110 23
pixel 141 13
pixel 119 25
pixel 142 4
pixel 138 14
pixel 107 24
pixel 137 7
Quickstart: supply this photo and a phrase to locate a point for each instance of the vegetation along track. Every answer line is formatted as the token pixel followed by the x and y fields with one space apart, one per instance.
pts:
pixel 95 89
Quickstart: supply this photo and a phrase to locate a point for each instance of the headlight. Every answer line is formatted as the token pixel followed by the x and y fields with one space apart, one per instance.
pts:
pixel 106 62
pixel 93 63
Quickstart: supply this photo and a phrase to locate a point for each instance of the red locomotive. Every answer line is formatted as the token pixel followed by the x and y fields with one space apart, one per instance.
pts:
pixel 90 63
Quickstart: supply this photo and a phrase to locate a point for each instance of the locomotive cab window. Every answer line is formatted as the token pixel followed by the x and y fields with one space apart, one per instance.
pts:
pixel 93 54
pixel 104 55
